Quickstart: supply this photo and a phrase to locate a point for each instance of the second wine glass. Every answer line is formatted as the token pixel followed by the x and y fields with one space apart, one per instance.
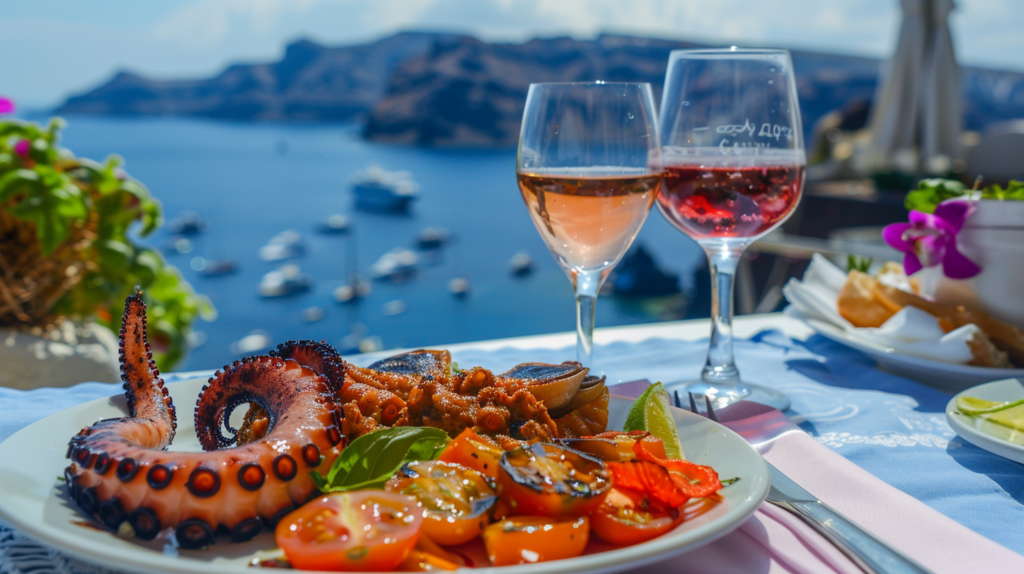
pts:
pixel 589 169
pixel 734 170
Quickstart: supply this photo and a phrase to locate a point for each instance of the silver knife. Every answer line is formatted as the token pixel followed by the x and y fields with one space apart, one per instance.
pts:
pixel 761 426
pixel 863 548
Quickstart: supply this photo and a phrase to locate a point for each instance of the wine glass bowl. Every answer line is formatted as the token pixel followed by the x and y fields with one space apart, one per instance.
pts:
pixel 733 154
pixel 589 170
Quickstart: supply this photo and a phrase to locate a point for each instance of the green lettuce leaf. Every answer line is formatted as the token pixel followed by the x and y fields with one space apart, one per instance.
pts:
pixel 1013 191
pixel 931 192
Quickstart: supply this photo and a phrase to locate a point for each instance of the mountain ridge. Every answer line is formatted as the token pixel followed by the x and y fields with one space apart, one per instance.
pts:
pixel 432 88
pixel 311 82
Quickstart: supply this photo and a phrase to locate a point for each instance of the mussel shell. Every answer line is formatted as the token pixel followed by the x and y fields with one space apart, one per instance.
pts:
pixel 590 389
pixel 544 371
pixel 422 362
pixel 552 385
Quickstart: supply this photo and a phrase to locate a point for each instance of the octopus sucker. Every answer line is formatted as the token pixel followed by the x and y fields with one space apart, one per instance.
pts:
pixel 121 473
pixel 320 357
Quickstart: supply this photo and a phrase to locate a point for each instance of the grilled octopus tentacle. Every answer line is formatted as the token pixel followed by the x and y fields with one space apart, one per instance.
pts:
pixel 121 473
pixel 321 358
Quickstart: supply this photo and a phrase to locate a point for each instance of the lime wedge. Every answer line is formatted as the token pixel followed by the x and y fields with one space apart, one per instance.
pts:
pixel 973 407
pixel 651 413
pixel 999 431
pixel 1011 416
pixel 636 420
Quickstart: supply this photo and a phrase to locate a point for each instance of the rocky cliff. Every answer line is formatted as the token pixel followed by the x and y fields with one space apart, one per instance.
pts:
pixel 468 91
pixel 434 89
pixel 310 83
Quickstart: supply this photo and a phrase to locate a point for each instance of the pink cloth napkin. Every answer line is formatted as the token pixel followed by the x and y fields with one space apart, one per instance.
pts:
pixel 775 541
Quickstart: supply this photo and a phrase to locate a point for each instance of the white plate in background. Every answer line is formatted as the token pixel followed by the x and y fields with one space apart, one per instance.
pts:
pixel 949 377
pixel 967 427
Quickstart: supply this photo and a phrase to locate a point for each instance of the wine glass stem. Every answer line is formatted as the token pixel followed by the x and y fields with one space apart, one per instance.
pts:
pixel 723 257
pixel 587 285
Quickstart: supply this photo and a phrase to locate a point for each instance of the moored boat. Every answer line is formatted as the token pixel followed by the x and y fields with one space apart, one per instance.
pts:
pixel 521 264
pixel 284 245
pixel 287 280
pixel 397 265
pixel 377 189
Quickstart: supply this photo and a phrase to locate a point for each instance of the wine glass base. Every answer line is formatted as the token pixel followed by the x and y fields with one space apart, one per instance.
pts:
pixel 722 395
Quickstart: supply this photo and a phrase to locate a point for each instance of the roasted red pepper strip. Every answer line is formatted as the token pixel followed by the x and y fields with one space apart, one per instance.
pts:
pixel 692 480
pixel 648 478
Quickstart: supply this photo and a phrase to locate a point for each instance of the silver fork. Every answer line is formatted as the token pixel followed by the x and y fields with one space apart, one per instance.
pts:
pixel 860 546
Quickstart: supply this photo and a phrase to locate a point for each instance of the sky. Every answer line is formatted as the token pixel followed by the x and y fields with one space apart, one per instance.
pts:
pixel 50 49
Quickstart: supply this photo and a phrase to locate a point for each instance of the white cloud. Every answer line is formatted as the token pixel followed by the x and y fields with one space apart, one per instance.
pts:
pixel 862 27
pixel 987 32
pixel 198 37
pixel 204 23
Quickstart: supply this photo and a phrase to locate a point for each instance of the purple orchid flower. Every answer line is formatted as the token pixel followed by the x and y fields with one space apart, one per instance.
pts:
pixel 929 240
pixel 21 148
pixel 6 105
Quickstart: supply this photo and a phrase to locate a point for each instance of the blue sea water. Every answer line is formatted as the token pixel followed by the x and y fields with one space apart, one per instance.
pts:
pixel 237 178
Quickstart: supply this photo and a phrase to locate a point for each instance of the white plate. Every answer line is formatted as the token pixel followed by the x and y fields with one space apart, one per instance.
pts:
pixel 949 377
pixel 965 426
pixel 31 496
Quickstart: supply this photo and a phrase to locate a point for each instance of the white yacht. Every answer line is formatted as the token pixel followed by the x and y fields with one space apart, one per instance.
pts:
pixel 380 190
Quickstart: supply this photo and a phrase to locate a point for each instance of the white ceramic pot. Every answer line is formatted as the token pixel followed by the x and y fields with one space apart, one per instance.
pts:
pixel 993 237
pixel 68 355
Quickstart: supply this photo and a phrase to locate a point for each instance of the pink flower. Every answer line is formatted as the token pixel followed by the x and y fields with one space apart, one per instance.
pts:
pixel 6 105
pixel 21 148
pixel 929 240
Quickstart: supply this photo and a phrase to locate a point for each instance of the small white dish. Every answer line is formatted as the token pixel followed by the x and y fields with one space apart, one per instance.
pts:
pixel 949 377
pixel 966 427
pixel 32 497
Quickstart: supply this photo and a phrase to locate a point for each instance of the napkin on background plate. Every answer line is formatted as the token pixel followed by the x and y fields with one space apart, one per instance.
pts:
pixel 910 331
pixel 775 541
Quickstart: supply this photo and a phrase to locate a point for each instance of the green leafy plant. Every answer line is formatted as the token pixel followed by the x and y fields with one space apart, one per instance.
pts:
pixel 370 460
pixel 858 263
pixel 1014 190
pixel 931 192
pixel 66 242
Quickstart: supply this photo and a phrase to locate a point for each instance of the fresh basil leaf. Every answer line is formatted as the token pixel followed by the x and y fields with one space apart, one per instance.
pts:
pixel 373 458
pixel 318 480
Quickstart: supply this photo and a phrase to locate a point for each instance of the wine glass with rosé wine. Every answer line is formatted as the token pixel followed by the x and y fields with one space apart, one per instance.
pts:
pixel 589 169
pixel 733 152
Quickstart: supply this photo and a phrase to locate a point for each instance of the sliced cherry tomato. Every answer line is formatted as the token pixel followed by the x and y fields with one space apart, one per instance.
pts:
pixel 550 480
pixel 528 539
pixel 438 557
pixel 625 518
pixel 693 480
pixel 501 510
pixel 455 499
pixel 617 446
pixel 645 439
pixel 473 451
pixel 648 479
pixel 362 530
pixel 419 561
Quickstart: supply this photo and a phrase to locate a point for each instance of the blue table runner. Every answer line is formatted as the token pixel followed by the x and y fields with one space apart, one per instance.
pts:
pixel 893 427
